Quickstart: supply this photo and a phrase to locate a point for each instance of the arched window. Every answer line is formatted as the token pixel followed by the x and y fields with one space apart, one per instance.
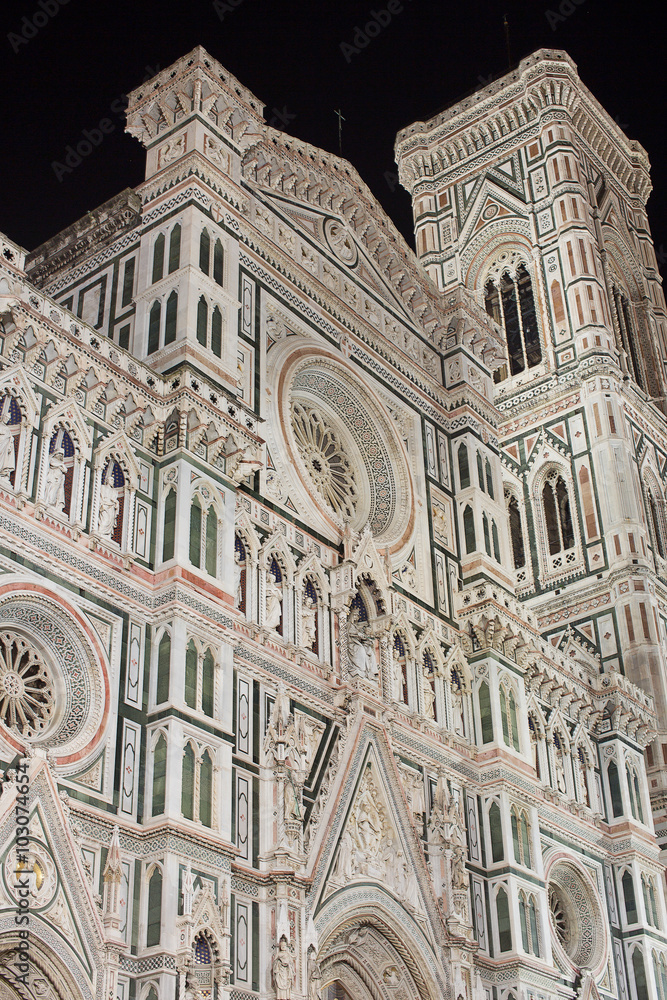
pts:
pixel 480 472
pixel 402 664
pixel 509 300
pixel 520 837
pixel 154 915
pixel 635 794
pixel 218 262
pixel 508 718
pixel 496 542
pixel 152 994
pixel 158 258
pixel 485 716
pixel 496 832
pixel 532 923
pixel 528 919
pixel 199 679
pixel 60 476
pixel 154 327
pixel 629 341
pixel 516 533
pixel 660 975
pixel 206 790
pixel 557 517
pixel 205 251
pixel 163 664
pixel 485 530
pixel 489 479
pixel 639 972
pixel 469 529
pixel 503 920
pixel 188 782
pixel 656 532
pixel 464 467
pixel 175 248
pixel 202 321
pixel 629 899
pixel 241 574
pixel 615 790
pixel 170 318
pixel 168 535
pixel 159 776
pixel 203 962
pixel 216 332
pixel 204 535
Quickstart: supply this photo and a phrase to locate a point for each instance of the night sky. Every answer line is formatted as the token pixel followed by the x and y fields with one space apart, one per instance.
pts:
pixel 83 55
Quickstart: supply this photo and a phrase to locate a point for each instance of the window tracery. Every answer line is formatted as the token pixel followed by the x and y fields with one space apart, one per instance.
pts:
pixel 326 461
pixel 27 693
pixel 203 548
pixel 509 300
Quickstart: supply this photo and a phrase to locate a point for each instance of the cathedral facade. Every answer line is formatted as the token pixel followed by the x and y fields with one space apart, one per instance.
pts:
pixel 332 604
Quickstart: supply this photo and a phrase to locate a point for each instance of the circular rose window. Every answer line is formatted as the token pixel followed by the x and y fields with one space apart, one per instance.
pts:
pixel 576 918
pixel 344 447
pixel 26 687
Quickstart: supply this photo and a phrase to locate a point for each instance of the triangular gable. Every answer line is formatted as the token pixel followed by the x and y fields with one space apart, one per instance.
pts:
pixel 63 909
pixel 14 381
pixel 371 837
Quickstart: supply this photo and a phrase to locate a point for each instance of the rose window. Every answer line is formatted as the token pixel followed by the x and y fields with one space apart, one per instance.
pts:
pixel 576 917
pixel 26 687
pixel 323 455
pixel 559 919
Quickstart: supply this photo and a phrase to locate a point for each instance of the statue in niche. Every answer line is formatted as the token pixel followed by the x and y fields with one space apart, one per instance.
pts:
pixel 106 521
pixel 283 971
pixel 192 991
pixel 429 697
pixel 238 590
pixel 7 452
pixel 308 627
pixel 457 707
pixel 54 491
pixel 188 889
pixel 361 652
pixel 458 844
pixel 314 975
pixel 274 602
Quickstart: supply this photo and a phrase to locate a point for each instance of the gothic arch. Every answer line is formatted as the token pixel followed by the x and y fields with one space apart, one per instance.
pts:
pixel 58 976
pixel 355 917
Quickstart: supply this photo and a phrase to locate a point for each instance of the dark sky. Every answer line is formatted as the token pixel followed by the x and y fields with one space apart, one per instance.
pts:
pixel 84 54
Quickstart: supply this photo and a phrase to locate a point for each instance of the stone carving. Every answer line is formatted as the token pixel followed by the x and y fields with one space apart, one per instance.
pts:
pixel 274 603
pixel 108 512
pixel 188 890
pixel 361 651
pixel 27 700
pixel 308 626
pixel 54 491
pixel 243 463
pixel 7 453
pixel 413 784
pixel 314 975
pixel 238 590
pixel 283 971
pixel 171 151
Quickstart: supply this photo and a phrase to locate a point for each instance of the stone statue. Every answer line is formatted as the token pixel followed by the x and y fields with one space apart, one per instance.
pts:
pixel 361 652
pixel 192 991
pixel 106 521
pixel 274 603
pixel 54 491
pixel 459 845
pixel 238 590
pixel 429 697
pixel 368 825
pixel 188 890
pixel 7 452
pixel 314 976
pixel 308 627
pixel 283 971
